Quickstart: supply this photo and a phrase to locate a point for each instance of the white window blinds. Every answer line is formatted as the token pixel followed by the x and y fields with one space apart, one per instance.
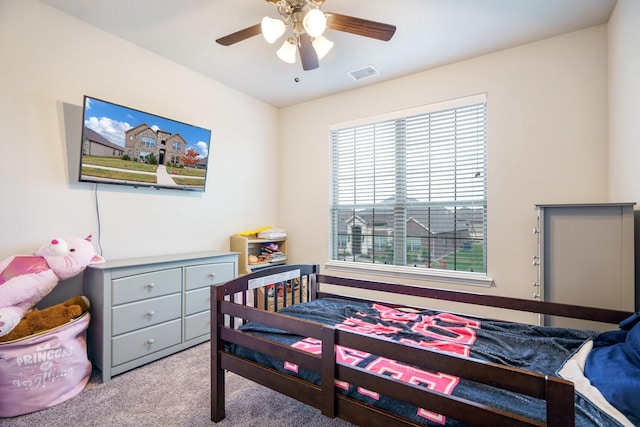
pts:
pixel 410 189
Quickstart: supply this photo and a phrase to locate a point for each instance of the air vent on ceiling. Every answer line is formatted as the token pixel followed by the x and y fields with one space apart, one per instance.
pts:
pixel 363 73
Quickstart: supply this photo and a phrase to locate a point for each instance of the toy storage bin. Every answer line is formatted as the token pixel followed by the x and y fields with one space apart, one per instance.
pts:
pixel 42 370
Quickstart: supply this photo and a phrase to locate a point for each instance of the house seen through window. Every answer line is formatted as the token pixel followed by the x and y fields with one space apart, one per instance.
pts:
pixel 409 188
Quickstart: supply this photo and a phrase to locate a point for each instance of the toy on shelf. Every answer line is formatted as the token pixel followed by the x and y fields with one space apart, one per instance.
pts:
pixel 26 279
pixel 254 231
pixel 270 254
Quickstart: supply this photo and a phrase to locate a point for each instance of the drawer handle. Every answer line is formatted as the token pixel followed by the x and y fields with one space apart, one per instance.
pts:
pixel 151 313
pixel 150 341
pixel 151 285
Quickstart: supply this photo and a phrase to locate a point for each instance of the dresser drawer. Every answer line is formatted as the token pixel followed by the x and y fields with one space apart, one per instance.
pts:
pixel 140 343
pixel 148 285
pixel 197 300
pixel 197 325
pixel 199 276
pixel 136 315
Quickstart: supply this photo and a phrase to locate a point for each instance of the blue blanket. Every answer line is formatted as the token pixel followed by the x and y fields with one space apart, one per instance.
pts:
pixel 613 366
pixel 534 348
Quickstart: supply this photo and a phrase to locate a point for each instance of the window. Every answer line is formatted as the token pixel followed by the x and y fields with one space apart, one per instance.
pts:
pixel 147 142
pixel 409 189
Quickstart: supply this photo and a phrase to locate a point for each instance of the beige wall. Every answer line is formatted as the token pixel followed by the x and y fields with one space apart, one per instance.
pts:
pixel 49 61
pixel 547 133
pixel 624 111
pixel 624 98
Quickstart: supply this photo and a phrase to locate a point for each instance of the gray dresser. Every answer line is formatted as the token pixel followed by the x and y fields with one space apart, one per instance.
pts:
pixel 143 309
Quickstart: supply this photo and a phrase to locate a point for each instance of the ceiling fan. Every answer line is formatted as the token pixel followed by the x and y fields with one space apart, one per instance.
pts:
pixel 306 23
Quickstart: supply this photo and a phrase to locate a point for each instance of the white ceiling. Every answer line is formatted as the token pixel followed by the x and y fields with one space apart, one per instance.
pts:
pixel 429 33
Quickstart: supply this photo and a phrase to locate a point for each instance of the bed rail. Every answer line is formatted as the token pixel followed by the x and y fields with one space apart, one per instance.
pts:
pixel 518 304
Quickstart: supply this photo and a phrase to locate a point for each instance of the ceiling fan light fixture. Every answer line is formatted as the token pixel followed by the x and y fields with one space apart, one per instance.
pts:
pixel 272 29
pixel 314 22
pixel 287 51
pixel 322 46
pixel 306 23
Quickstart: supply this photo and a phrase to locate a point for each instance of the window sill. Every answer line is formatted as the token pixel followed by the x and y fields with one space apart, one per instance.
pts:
pixel 445 276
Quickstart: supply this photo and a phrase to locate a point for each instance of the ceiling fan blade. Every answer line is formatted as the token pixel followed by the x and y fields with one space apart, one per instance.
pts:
pixel 308 55
pixel 361 27
pixel 238 36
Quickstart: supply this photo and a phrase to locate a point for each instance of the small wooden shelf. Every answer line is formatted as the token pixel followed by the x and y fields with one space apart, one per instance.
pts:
pixel 251 245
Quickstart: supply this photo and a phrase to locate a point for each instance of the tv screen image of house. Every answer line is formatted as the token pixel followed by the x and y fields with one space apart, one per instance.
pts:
pixel 125 146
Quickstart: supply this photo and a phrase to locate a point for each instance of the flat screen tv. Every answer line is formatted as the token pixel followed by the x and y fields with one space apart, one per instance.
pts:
pixel 124 146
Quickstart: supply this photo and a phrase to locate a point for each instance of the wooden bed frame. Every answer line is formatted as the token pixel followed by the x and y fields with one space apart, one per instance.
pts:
pixel 240 300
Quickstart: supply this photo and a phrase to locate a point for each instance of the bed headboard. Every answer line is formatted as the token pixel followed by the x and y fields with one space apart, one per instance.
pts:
pixel 271 288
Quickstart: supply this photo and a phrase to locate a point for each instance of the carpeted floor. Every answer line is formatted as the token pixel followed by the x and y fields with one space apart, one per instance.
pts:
pixel 174 392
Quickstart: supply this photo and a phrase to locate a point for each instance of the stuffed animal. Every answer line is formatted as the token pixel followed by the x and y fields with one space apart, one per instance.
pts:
pixel 37 320
pixel 25 280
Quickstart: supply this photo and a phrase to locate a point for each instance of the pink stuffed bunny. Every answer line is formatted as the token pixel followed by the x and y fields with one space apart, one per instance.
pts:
pixel 25 280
